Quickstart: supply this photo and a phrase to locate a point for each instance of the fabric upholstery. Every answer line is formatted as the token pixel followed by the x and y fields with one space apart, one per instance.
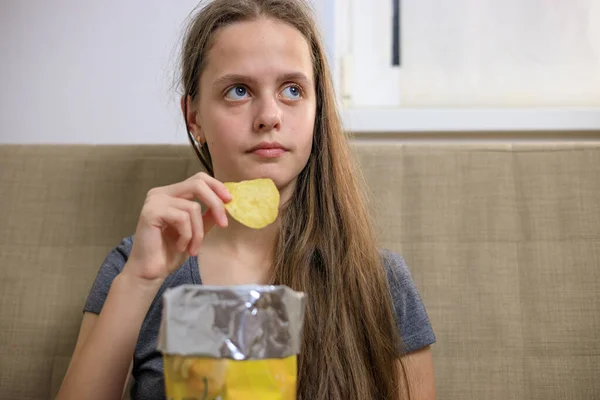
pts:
pixel 502 239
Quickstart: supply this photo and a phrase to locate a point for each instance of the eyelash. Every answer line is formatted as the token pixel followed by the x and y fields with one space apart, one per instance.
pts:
pixel 294 85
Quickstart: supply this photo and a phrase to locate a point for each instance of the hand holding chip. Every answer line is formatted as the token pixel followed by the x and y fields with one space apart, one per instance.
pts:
pixel 171 226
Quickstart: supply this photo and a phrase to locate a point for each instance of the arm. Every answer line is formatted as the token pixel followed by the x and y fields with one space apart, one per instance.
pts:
pixel 170 229
pixel 104 350
pixel 128 384
pixel 418 374
pixel 416 332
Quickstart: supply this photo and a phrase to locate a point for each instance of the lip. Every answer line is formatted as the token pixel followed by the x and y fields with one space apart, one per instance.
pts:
pixel 268 149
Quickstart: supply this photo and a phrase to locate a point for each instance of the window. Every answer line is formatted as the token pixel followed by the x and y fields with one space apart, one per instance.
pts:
pixel 493 56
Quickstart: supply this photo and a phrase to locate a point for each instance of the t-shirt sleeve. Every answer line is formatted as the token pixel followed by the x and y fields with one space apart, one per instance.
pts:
pixel 113 264
pixel 411 317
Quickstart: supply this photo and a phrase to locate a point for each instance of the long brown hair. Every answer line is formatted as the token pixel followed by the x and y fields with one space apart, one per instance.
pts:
pixel 326 246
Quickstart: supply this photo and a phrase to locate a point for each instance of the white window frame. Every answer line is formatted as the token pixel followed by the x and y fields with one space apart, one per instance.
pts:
pixel 366 105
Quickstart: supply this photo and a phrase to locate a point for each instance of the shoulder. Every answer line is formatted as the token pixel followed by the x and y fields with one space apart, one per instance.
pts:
pixel 115 261
pixel 113 265
pixel 395 265
pixel 120 254
pixel 399 276
pixel 402 286
pixel 412 320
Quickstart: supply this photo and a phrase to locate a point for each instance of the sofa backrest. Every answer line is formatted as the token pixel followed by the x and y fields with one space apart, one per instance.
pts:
pixel 502 239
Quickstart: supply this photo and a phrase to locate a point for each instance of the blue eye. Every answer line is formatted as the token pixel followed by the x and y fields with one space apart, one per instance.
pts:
pixel 237 93
pixel 292 92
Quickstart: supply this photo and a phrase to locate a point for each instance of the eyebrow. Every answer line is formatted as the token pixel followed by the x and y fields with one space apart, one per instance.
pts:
pixel 234 78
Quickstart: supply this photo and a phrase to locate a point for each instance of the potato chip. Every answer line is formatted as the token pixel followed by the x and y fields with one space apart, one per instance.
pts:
pixel 196 377
pixel 254 203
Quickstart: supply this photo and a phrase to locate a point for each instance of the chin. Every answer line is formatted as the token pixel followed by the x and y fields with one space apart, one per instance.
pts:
pixel 280 179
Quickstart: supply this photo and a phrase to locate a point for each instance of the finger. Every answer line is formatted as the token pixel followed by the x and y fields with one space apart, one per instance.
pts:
pixel 208 197
pixel 198 229
pixel 219 188
pixel 180 220
pixel 205 188
pixel 208 220
pixel 195 215
pixel 185 189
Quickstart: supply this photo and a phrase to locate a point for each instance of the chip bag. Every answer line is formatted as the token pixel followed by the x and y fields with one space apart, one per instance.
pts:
pixel 231 342
pixel 254 203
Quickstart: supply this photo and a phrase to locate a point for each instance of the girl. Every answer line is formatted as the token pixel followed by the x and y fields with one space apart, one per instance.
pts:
pixel 258 102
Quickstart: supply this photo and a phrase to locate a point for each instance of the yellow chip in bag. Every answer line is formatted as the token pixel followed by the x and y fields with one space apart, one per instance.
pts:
pixel 254 203
pixel 236 342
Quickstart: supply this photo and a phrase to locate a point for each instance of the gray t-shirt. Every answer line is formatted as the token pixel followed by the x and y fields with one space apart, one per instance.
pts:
pixel 413 322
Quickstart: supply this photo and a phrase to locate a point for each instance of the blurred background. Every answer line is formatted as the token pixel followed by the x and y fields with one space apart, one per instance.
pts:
pixel 102 72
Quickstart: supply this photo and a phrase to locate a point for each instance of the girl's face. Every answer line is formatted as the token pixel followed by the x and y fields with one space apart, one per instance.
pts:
pixel 256 107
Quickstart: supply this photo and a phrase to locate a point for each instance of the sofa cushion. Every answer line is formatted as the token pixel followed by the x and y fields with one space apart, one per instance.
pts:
pixel 502 239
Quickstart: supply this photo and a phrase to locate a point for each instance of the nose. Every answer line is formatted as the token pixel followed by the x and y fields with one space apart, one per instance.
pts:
pixel 268 116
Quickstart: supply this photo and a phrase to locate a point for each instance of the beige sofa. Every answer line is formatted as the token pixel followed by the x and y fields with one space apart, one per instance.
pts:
pixel 503 241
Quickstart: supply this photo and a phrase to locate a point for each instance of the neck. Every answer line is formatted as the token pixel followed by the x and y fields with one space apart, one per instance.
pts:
pixel 241 240
pixel 253 248
pixel 237 255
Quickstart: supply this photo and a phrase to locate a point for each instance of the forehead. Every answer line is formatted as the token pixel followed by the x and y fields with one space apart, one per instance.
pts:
pixel 261 48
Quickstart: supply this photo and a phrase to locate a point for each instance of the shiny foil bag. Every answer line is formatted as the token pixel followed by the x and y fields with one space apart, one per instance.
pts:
pixel 231 342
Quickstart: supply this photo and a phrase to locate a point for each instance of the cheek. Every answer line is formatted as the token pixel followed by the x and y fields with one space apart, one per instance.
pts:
pixel 307 130
pixel 304 139
pixel 301 120
pixel 222 131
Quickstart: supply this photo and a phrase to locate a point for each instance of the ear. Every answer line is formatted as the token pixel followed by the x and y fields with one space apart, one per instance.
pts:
pixel 190 115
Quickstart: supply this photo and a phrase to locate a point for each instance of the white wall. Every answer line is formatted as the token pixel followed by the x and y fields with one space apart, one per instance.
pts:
pixel 75 71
